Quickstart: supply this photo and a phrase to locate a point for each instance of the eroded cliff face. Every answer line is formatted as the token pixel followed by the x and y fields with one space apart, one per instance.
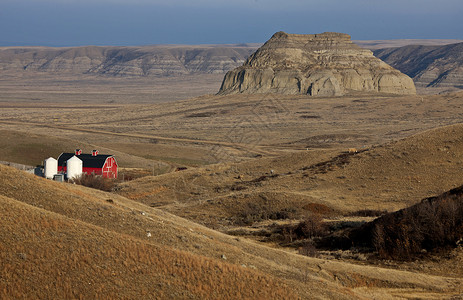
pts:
pixel 326 64
pixel 125 61
pixel 429 66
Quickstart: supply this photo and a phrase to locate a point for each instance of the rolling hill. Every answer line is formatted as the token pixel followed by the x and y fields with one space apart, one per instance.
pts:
pixel 66 241
pixel 45 254
pixel 386 177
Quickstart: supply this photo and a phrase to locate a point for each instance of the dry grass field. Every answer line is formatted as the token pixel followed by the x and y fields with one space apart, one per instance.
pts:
pixel 61 249
pixel 211 129
pixel 387 177
pixel 78 242
pixel 38 87
pixel 253 163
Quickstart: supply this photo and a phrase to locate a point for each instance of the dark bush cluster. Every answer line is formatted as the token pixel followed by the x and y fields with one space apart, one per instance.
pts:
pixel 433 225
pixel 336 162
pixel 311 227
pixel 95 181
pixel 256 212
pixel 430 225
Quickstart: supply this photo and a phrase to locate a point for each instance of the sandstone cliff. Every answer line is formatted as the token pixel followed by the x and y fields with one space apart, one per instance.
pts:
pixel 125 61
pixel 429 66
pixel 326 64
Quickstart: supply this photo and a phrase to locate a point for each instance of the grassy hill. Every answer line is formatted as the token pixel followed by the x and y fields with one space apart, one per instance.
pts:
pixel 387 177
pixel 32 149
pixel 58 240
pixel 45 254
pixel 67 241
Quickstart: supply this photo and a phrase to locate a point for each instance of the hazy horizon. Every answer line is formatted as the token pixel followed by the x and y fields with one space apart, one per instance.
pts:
pixel 151 22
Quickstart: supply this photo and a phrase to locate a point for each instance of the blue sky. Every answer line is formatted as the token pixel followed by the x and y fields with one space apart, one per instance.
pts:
pixel 145 22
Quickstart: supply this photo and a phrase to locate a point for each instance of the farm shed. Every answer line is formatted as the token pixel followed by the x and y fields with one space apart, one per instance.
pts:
pixel 98 164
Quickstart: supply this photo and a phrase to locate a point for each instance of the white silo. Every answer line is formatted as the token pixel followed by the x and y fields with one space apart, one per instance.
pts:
pixel 50 166
pixel 73 167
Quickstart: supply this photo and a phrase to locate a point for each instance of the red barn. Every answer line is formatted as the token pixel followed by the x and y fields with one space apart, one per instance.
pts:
pixel 98 164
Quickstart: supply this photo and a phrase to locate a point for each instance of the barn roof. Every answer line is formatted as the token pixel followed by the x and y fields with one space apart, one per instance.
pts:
pixel 88 160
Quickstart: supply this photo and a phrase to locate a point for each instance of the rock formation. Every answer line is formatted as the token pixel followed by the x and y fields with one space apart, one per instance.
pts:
pixel 326 64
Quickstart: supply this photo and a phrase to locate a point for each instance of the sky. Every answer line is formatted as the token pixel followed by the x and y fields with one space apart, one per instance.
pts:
pixel 148 22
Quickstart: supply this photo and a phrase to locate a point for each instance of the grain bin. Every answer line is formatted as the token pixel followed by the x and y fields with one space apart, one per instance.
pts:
pixel 73 167
pixel 50 167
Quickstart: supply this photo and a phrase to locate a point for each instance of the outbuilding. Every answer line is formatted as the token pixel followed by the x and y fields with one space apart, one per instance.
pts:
pixel 94 163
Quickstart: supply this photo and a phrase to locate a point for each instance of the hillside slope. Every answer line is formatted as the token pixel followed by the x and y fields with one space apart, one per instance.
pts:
pixel 44 254
pixel 96 235
pixel 68 241
pixel 430 66
pixel 32 149
pixel 391 177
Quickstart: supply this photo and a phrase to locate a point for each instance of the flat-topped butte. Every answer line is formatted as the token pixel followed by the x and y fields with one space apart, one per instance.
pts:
pixel 326 64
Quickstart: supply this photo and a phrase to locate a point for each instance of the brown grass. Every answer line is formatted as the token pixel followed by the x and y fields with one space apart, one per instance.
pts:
pixel 387 177
pixel 319 209
pixel 51 256
pixel 126 218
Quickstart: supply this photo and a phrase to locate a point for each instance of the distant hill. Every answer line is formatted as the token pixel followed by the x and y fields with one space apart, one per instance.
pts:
pixel 435 63
pixel 381 44
pixel 429 66
pixel 159 60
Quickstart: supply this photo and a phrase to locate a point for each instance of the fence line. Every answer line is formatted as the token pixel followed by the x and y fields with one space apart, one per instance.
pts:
pixel 17 166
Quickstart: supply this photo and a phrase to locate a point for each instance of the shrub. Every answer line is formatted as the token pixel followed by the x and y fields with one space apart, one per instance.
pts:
pixel 312 226
pixel 432 225
pixel 308 249
pixel 95 181
pixel 320 209
pixel 256 212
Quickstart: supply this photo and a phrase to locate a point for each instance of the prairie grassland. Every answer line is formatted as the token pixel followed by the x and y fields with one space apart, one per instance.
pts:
pixel 69 241
pixel 213 129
